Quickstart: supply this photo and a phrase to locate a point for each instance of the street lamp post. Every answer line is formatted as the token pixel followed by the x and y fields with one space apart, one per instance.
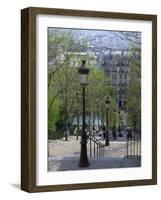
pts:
pixel 107 102
pixel 97 104
pixel 83 71
pixel 114 126
pixel 78 128
pixel 120 134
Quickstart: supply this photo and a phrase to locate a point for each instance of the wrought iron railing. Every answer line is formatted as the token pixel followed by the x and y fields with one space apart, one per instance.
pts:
pixel 96 147
pixel 134 144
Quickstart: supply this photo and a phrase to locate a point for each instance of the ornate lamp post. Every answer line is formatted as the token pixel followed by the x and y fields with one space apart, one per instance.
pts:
pixel 114 125
pixel 78 128
pixel 83 71
pixel 120 134
pixel 97 104
pixel 107 102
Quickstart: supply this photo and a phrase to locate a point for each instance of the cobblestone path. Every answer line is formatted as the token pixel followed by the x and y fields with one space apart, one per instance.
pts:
pixel 64 155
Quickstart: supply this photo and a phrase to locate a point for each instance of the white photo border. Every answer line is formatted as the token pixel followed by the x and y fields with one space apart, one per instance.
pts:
pixel 43 177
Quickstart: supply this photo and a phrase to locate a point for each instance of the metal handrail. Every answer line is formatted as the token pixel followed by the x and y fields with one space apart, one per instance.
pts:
pixel 98 147
pixel 133 144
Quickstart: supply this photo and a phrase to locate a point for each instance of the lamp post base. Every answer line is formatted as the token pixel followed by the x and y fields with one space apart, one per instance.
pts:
pixel 107 139
pixel 114 134
pixel 107 143
pixel 83 162
pixel 120 134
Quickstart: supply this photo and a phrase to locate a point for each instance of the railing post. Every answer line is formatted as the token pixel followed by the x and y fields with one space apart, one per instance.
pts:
pixel 134 153
pixel 90 145
pixel 137 144
pixel 100 150
pixel 131 144
pixel 97 149
pixel 127 146
pixel 103 150
pixel 94 148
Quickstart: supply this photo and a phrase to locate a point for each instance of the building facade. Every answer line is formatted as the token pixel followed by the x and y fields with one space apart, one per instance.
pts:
pixel 116 63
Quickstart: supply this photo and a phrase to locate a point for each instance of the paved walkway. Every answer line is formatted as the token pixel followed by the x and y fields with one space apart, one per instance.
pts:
pixel 64 155
pixel 95 163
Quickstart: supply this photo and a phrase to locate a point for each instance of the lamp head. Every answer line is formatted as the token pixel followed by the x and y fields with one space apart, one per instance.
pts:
pixel 107 102
pixel 83 71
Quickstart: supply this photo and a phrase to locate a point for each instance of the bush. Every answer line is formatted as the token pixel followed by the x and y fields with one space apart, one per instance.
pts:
pixel 53 135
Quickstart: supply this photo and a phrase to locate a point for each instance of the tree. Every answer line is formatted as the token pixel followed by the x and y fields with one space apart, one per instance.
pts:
pixel 134 89
pixel 62 73
pixel 65 54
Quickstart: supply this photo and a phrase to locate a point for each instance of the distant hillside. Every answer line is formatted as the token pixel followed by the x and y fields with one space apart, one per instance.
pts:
pixel 109 39
pixel 102 38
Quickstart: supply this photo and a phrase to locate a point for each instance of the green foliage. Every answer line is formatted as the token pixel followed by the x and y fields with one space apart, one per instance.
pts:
pixel 54 115
pixel 64 89
pixel 134 89
pixel 54 134
pixel 97 91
